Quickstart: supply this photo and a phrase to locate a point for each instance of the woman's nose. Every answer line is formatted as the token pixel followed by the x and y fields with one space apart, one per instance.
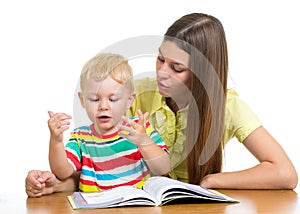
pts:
pixel 162 67
pixel 163 72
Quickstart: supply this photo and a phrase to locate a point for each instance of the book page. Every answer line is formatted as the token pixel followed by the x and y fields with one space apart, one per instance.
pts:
pixel 102 197
pixel 157 191
pixel 126 195
pixel 157 186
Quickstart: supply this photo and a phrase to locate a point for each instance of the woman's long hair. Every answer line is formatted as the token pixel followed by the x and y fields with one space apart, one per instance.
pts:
pixel 203 38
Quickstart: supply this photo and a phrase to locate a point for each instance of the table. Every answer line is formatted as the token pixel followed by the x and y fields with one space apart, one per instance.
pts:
pixel 251 202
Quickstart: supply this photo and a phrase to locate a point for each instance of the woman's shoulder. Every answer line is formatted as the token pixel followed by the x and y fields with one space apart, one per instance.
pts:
pixel 240 120
pixel 145 84
pixel 231 94
pixel 234 103
pixel 148 97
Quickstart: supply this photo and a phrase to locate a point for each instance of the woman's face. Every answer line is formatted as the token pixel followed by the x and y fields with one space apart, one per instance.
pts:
pixel 172 72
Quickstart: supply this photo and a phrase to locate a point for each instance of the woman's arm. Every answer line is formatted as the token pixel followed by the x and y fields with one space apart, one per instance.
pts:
pixel 275 170
pixel 38 183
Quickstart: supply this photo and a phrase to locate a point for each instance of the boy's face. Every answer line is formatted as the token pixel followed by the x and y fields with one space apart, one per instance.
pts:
pixel 105 103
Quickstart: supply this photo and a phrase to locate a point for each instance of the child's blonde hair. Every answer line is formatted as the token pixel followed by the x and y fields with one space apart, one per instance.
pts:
pixel 104 64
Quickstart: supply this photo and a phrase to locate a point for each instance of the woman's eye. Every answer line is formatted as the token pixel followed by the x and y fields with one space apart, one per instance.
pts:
pixel 161 59
pixel 177 69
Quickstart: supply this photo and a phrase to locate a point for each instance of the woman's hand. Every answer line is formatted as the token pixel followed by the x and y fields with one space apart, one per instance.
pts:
pixel 38 183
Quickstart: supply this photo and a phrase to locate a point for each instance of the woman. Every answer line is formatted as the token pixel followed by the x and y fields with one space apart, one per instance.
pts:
pixel 196 115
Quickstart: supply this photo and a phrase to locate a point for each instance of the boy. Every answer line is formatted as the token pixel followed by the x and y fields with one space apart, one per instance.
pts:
pixel 112 151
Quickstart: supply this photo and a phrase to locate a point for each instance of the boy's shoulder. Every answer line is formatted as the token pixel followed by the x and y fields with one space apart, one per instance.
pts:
pixel 85 128
pixel 136 119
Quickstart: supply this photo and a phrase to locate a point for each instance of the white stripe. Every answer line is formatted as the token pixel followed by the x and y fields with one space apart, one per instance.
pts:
pixel 111 157
pixel 72 164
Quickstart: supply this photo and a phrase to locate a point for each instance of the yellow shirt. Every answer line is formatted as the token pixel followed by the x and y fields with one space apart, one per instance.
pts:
pixel 240 121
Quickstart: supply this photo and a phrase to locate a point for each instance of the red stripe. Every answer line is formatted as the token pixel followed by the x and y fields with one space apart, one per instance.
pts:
pixel 113 163
pixel 109 164
pixel 107 136
pixel 74 159
pixel 117 162
pixel 164 147
pixel 80 132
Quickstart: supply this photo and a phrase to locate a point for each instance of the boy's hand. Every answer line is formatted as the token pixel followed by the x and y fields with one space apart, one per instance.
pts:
pixel 57 124
pixel 136 131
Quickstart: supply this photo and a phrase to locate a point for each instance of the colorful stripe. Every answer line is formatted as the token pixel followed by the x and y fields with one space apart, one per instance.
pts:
pixel 108 161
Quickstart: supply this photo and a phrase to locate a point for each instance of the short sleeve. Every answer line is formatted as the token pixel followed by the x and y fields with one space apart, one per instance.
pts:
pixel 73 151
pixel 153 134
pixel 240 120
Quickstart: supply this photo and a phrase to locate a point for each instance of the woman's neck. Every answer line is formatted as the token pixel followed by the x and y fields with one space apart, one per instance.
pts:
pixel 175 106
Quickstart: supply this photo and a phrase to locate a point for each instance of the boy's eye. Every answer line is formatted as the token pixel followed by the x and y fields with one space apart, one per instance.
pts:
pixel 113 99
pixel 94 99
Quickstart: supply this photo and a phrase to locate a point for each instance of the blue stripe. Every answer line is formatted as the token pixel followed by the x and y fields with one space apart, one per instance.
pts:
pixel 82 128
pixel 138 168
pixel 93 142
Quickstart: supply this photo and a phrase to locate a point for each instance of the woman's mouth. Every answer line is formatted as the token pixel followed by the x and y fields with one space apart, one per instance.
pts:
pixel 161 86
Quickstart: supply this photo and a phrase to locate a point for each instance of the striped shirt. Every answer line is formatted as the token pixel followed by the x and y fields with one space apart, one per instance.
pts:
pixel 108 161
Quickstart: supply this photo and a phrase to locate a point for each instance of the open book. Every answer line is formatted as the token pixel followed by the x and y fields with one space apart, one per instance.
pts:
pixel 157 191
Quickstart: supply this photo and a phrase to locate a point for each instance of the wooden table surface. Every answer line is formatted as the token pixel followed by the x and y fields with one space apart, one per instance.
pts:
pixel 251 201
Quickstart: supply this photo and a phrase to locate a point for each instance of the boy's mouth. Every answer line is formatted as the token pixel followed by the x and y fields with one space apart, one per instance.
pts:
pixel 104 118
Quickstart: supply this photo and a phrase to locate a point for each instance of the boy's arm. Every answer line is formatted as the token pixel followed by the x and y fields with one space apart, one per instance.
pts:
pixel 58 160
pixel 59 164
pixel 156 158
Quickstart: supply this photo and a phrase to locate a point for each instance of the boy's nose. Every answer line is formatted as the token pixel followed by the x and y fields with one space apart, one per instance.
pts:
pixel 103 106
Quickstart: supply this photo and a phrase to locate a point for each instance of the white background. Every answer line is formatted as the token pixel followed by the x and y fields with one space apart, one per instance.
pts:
pixel 44 44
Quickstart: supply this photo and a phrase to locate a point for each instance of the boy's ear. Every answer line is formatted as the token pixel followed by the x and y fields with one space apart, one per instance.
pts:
pixel 81 98
pixel 131 99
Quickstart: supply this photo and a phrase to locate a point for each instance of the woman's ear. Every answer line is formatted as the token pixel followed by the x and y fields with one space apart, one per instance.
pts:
pixel 81 98
pixel 131 99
